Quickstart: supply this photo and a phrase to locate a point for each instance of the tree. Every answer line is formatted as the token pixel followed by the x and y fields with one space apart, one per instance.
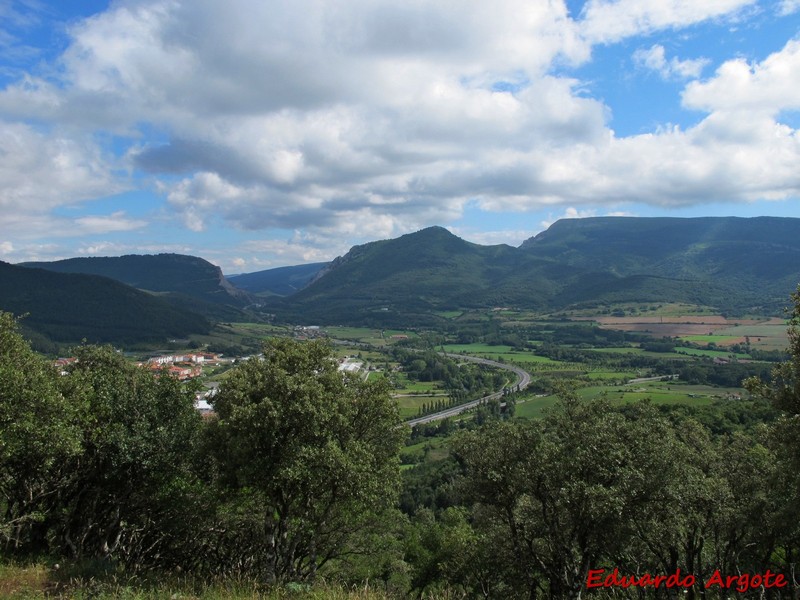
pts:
pixel 567 493
pixel 306 452
pixel 784 392
pixel 123 492
pixel 37 432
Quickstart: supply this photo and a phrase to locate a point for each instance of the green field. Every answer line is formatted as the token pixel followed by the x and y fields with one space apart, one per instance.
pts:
pixel 409 405
pixel 500 353
pixel 658 392
pixel 629 350
pixel 476 348
pixel 767 336
pixel 367 335
pixel 707 339
pixel 602 375
pixel 429 449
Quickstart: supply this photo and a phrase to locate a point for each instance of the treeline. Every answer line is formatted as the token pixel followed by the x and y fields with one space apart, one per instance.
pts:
pixel 578 335
pixel 463 382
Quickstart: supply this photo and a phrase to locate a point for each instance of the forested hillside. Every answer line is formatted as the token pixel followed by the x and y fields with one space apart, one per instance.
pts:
pixel 71 307
pixel 730 264
pixel 177 274
pixel 281 281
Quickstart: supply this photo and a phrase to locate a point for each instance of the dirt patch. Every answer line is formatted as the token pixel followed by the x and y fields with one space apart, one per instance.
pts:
pixel 663 329
pixel 715 320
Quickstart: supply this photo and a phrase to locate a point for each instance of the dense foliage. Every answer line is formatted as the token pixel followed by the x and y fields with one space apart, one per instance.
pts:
pixel 312 451
pixel 105 461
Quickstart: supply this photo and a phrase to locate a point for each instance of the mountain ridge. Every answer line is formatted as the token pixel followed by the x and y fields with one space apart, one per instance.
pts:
pixel 731 263
pixel 68 307
pixel 181 279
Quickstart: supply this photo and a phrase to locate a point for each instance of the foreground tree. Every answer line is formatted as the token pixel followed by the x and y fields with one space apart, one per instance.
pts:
pixel 783 390
pixel 124 493
pixel 37 432
pixel 305 453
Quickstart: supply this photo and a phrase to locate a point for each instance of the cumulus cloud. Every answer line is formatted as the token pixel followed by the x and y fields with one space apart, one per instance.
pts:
pixel 607 21
pixel 768 86
pixel 654 58
pixel 789 7
pixel 42 170
pixel 118 221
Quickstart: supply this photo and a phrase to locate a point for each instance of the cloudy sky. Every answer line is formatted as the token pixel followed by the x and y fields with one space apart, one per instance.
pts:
pixel 262 133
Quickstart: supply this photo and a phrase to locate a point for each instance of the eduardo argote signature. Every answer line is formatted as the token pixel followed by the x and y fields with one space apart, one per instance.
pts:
pixel 597 578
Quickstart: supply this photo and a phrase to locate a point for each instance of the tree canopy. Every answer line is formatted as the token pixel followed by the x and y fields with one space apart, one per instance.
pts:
pixel 309 448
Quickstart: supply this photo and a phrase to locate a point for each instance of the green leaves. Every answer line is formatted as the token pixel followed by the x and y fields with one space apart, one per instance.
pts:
pixel 313 447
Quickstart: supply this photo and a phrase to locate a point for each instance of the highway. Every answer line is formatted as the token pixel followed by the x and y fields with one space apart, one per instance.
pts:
pixel 523 380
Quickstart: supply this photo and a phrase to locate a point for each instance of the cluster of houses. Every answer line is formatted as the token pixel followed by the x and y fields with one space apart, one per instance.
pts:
pixel 182 366
pixel 308 332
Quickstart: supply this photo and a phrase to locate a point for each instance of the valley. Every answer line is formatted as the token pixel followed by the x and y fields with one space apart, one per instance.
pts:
pixel 409 388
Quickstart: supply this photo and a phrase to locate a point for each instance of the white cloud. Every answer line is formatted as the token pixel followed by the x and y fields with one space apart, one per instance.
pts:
pixel 118 221
pixel 42 170
pixel 788 7
pixel 768 86
pixel 6 247
pixel 607 21
pixel 654 58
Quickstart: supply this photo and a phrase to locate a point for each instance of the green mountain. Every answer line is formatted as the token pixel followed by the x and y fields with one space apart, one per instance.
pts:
pixel 186 281
pixel 282 281
pixel 67 307
pixel 731 264
pixel 410 276
pixel 734 265
pixel 727 262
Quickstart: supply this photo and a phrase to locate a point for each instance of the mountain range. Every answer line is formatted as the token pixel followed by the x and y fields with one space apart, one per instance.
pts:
pixel 731 264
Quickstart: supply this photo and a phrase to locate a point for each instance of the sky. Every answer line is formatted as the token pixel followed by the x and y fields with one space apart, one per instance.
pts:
pixel 265 133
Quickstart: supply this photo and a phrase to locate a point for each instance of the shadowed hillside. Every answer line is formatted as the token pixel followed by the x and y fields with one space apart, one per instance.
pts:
pixel 186 281
pixel 70 307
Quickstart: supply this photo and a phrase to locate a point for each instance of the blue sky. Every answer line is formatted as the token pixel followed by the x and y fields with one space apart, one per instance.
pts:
pixel 261 134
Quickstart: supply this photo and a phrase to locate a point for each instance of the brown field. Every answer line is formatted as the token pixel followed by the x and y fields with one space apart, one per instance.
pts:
pixel 663 329
pixel 684 320
pixel 767 333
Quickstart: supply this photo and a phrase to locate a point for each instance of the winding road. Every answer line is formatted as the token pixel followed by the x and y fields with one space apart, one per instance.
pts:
pixel 524 379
